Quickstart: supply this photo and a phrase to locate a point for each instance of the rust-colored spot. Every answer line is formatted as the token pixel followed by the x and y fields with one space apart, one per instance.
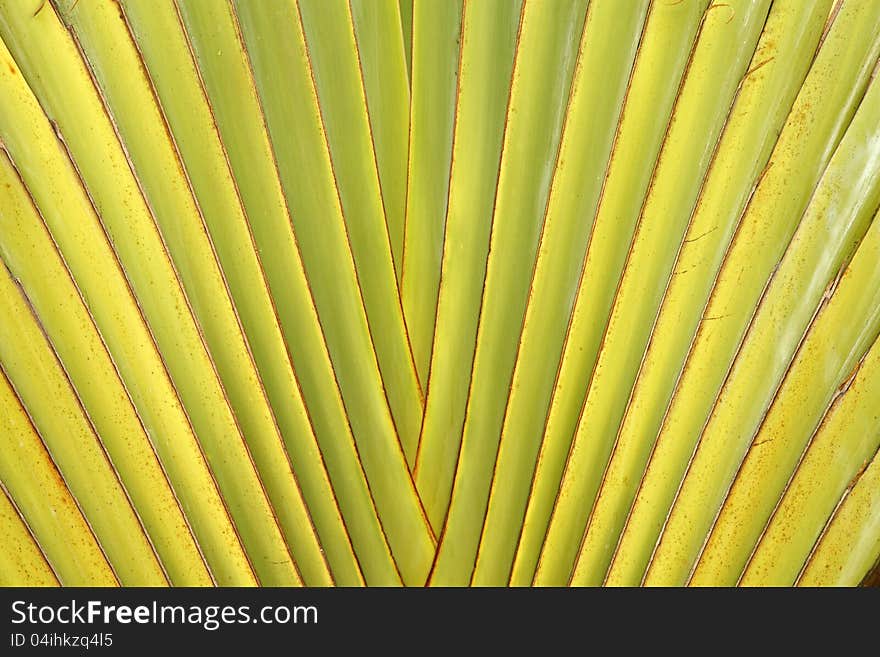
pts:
pixel 11 67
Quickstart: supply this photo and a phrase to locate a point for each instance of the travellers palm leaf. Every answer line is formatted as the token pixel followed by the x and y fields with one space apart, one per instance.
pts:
pixel 473 292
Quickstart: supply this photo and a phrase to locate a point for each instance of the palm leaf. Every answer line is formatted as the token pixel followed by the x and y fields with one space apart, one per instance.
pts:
pixel 505 292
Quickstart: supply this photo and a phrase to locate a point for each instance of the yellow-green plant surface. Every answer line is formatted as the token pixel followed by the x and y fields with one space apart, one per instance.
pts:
pixel 472 292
